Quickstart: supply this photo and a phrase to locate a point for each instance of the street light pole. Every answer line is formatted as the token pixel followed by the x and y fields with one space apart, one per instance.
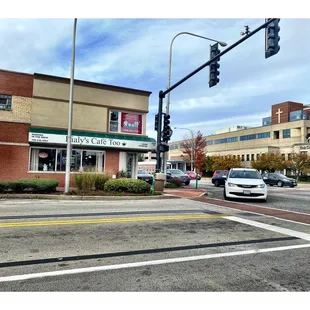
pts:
pixel 165 155
pixel 69 140
pixel 193 146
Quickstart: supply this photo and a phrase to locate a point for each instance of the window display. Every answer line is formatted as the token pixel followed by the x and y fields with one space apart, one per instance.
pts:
pixel 44 159
pixel 125 122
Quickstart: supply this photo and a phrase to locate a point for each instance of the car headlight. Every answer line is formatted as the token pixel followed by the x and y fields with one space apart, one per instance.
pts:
pixel 232 185
pixel 286 180
pixel 261 185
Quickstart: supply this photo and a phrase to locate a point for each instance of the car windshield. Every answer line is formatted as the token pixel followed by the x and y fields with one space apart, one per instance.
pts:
pixel 244 174
pixel 280 175
pixel 176 171
pixel 142 172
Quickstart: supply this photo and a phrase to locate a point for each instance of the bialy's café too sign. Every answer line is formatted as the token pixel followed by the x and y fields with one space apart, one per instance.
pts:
pixel 94 141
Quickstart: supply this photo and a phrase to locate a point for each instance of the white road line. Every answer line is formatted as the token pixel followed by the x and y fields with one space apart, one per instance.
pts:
pixel 277 229
pixel 259 206
pixel 147 263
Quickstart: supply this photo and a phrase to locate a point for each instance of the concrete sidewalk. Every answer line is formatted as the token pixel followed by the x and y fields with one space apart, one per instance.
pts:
pixel 167 194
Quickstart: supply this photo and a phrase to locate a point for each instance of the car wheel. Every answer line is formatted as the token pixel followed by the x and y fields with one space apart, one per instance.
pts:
pixel 292 186
pixel 217 183
pixel 187 183
pixel 280 184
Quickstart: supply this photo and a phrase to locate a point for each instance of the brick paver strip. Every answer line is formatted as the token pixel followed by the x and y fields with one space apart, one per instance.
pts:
pixel 287 215
pixel 184 192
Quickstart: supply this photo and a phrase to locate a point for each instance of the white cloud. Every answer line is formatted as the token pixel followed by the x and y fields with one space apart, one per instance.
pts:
pixel 234 95
pixel 29 45
pixel 148 48
pixel 210 126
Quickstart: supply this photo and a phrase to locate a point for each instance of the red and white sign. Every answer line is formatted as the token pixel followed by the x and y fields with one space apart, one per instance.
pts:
pixel 131 123
pixel 43 155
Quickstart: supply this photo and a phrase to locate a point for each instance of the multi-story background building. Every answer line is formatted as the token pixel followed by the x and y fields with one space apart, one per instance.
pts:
pixel 286 131
pixel 109 126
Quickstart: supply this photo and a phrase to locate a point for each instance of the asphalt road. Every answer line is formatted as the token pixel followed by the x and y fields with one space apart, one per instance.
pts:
pixel 148 245
pixel 295 199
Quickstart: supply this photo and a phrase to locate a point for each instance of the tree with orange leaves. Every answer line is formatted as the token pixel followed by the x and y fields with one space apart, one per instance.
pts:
pixel 199 150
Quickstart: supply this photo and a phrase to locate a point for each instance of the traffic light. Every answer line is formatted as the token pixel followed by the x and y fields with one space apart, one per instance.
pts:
pixel 167 131
pixel 164 148
pixel 214 66
pixel 272 38
pixel 156 123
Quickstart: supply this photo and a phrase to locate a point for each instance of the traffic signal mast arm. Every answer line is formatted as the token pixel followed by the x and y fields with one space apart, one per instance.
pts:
pixel 164 93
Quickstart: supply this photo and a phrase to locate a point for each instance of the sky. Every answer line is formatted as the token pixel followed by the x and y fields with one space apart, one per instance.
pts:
pixel 134 53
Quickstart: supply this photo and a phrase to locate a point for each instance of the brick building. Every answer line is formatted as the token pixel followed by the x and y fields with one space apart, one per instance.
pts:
pixel 109 127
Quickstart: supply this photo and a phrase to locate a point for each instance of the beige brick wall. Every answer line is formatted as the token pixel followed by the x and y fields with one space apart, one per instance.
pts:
pixel 113 99
pixel 21 110
pixel 50 113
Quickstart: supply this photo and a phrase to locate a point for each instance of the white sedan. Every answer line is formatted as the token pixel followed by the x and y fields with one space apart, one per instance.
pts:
pixel 246 184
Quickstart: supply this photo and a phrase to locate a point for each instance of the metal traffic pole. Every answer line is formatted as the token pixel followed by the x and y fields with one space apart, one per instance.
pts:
pixel 69 141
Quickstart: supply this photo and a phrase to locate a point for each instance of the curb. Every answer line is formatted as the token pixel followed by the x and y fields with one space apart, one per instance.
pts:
pixel 67 197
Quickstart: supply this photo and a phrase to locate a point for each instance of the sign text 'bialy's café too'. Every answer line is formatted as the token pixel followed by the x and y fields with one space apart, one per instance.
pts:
pixel 109 127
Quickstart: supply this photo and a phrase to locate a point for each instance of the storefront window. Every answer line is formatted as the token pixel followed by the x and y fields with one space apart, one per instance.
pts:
pixel 55 160
pixel 42 159
pixel 114 121
pixel 75 160
pixel 89 160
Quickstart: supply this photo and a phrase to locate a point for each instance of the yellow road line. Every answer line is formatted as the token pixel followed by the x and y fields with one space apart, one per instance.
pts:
pixel 112 220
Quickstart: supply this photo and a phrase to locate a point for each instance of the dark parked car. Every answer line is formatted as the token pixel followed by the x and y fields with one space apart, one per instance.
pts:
pixel 145 176
pixel 278 179
pixel 217 178
pixel 178 176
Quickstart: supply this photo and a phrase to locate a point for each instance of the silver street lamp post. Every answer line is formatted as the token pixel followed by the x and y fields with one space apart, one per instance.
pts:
pixel 165 156
pixel 193 146
pixel 69 140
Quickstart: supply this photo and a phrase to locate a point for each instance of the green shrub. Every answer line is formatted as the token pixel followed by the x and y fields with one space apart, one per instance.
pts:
pixel 127 186
pixel 4 186
pixel 171 185
pixel 34 185
pixel 100 180
pixel 17 187
pixel 304 178
pixel 85 181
